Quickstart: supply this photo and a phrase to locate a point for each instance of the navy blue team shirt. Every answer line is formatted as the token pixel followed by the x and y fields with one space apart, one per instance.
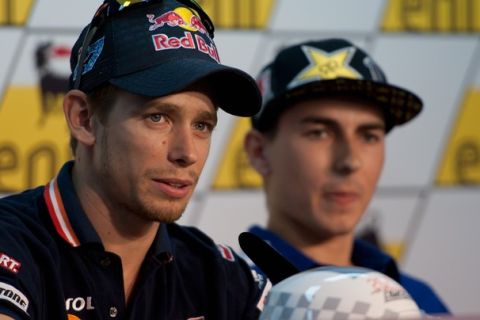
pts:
pixel 54 266
pixel 367 256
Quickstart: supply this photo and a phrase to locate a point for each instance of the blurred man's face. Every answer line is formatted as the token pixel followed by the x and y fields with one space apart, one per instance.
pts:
pixel 323 166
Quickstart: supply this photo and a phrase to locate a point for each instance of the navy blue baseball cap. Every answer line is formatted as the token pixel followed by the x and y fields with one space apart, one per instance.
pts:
pixel 156 48
pixel 325 68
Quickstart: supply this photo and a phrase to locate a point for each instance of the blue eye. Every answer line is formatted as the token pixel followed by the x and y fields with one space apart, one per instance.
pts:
pixel 203 126
pixel 156 117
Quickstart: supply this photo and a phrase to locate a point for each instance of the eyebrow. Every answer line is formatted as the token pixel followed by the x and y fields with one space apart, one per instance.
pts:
pixel 173 108
pixel 334 124
pixel 208 116
pixel 160 106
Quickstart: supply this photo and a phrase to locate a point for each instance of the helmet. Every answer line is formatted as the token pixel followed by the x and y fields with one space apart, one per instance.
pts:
pixel 339 293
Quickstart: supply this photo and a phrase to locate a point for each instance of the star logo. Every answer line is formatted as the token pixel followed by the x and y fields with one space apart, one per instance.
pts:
pixel 326 65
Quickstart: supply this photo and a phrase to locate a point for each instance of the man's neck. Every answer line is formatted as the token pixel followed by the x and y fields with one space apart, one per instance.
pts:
pixel 335 250
pixel 121 232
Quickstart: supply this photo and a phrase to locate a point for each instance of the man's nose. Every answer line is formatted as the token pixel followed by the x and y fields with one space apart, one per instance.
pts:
pixel 182 148
pixel 347 159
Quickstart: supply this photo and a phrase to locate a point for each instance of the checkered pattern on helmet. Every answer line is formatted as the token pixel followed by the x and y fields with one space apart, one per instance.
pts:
pixel 288 306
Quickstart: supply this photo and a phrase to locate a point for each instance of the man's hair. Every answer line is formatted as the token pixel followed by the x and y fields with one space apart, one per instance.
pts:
pixel 100 101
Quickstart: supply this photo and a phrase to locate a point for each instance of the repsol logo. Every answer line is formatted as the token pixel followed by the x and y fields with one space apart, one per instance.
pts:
pixel 79 304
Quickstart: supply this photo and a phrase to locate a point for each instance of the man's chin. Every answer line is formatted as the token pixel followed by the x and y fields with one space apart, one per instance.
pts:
pixel 169 218
pixel 165 214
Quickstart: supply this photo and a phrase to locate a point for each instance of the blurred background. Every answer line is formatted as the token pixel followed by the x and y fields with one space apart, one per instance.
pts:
pixel 426 209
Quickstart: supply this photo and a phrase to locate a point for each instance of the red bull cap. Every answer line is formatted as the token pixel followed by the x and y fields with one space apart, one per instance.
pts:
pixel 155 48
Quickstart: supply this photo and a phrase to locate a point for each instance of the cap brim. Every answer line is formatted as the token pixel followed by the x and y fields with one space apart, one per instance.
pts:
pixel 399 105
pixel 234 90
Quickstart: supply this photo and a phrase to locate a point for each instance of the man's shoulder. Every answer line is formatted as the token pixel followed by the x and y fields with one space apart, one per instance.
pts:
pixel 27 251
pixel 194 250
pixel 415 285
pixel 194 241
pixel 423 294
pixel 188 233
pixel 22 208
pixel 369 256
pixel 23 221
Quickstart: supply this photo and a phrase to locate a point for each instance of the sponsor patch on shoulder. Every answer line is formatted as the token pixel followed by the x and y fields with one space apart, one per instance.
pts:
pixel 8 263
pixel 226 252
pixel 264 285
pixel 14 296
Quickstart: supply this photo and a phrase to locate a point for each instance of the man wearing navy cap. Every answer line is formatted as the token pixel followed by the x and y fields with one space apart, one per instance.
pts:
pixel 98 241
pixel 319 144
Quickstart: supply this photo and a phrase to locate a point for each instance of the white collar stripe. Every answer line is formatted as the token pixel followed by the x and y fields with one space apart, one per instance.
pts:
pixel 63 226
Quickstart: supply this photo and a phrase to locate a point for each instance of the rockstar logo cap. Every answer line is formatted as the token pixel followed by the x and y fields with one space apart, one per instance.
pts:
pixel 325 68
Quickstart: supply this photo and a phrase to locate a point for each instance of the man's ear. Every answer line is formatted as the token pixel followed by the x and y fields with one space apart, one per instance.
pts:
pixel 254 144
pixel 78 114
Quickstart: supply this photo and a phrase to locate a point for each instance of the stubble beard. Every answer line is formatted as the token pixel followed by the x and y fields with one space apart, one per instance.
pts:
pixel 169 211
pixel 137 202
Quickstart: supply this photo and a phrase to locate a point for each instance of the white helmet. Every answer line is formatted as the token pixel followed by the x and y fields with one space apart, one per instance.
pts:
pixel 339 293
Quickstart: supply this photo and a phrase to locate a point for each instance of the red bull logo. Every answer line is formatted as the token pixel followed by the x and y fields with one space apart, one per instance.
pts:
pixel 164 42
pixel 170 18
pixel 180 17
pixel 196 23
pixel 187 20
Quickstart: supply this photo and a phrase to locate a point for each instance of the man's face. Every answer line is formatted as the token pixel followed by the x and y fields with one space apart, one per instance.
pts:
pixel 149 153
pixel 323 166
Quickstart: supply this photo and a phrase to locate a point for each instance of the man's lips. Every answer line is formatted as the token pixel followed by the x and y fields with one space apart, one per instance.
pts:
pixel 174 188
pixel 342 197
